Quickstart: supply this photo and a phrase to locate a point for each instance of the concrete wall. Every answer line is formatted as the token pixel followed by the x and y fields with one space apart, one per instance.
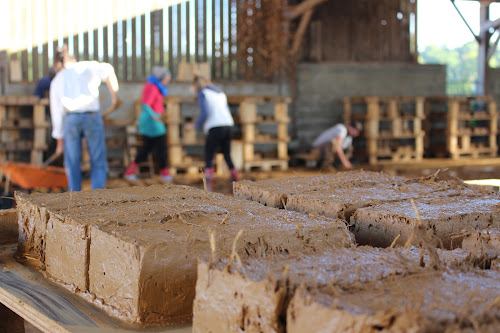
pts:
pixel 493 86
pixel 321 87
pixel 130 92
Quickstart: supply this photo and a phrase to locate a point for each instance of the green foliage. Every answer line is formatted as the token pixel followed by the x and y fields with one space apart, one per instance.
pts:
pixel 461 65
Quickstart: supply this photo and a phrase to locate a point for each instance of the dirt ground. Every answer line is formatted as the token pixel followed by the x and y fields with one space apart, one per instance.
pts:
pixel 224 185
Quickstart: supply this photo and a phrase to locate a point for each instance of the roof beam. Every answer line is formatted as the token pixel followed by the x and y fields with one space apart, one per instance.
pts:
pixel 490 24
pixel 302 8
pixel 465 21
pixel 493 47
pixel 297 40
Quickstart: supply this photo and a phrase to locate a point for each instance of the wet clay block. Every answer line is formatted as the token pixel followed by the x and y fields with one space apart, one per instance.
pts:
pixel 431 301
pixel 254 298
pixel 275 192
pixel 445 217
pixel 137 247
pixel 8 226
pixel 483 241
pixel 66 252
pixel 339 195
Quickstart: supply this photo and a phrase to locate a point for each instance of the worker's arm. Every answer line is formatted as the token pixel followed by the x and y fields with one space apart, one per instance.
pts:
pixel 112 83
pixel 340 152
pixel 202 102
pixel 57 111
pixel 59 147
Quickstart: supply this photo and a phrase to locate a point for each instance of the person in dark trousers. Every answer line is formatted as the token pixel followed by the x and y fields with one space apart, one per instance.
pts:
pixel 150 125
pixel 217 123
pixel 335 141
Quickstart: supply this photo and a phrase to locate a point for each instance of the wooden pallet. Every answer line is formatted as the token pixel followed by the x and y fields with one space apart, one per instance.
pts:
pixel 468 126
pixel 392 127
pixel 265 165
pixel 12 122
pixel 28 295
pixel 248 116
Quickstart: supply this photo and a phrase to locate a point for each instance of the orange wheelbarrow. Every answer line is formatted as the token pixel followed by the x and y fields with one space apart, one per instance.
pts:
pixel 29 176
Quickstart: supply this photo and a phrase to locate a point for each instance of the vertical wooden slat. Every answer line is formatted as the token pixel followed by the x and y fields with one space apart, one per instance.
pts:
pixel 34 64
pixel 230 39
pixel 54 48
pixel 179 36
pixel 188 33
pixel 221 42
pixel 160 34
pixel 115 49
pixel 105 43
pixel 196 32
pixel 24 64
pixel 45 57
pixel 214 60
pixel 205 30
pixel 66 42
pixel 143 45
pixel 152 25
pixel 76 49
pixel 86 45
pixel 170 42
pixel 96 45
pixel 134 51
pixel 124 53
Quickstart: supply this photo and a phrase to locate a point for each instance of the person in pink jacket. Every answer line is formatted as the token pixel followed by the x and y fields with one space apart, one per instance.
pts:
pixel 150 125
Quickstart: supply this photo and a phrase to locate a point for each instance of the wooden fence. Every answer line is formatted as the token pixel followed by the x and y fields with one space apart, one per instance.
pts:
pixel 191 31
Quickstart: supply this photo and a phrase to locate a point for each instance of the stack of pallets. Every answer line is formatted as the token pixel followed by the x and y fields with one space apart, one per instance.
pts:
pixel 461 127
pixel 392 127
pixel 24 127
pixel 260 129
pixel 260 134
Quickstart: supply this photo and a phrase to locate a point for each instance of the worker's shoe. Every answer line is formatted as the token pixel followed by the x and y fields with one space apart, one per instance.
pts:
pixel 165 175
pixel 209 177
pixel 234 175
pixel 130 173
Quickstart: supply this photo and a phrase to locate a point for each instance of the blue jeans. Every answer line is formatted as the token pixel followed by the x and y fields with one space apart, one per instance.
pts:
pixel 86 125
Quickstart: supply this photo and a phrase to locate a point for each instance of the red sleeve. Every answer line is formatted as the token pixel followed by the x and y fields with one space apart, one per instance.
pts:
pixel 149 95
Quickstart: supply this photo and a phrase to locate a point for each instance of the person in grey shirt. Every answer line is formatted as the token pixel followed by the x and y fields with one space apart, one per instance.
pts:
pixel 334 141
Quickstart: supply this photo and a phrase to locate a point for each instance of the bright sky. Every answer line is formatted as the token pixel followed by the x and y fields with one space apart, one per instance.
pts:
pixel 438 22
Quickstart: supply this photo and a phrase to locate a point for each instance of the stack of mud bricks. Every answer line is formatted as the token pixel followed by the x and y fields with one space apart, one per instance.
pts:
pixel 251 120
pixel 392 127
pixel 23 127
pixel 469 124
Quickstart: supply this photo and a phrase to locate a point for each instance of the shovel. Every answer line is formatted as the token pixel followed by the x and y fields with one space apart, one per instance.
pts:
pixel 51 159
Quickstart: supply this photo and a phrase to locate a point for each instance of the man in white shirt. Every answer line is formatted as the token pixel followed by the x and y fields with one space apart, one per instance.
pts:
pixel 74 108
pixel 334 141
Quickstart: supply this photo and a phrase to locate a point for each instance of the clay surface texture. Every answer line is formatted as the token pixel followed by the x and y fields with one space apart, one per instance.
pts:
pixel 254 297
pixel 134 251
pixel 430 301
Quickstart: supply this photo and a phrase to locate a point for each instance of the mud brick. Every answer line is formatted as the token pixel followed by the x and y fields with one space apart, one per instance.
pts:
pixel 339 195
pixel 139 246
pixel 66 251
pixel 483 241
pixel 430 301
pixel 445 217
pixel 254 297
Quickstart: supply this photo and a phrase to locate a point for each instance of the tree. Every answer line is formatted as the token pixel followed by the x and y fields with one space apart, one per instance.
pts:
pixel 461 66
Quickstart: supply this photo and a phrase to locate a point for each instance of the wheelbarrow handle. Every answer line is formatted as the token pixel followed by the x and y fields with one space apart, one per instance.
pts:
pixel 51 159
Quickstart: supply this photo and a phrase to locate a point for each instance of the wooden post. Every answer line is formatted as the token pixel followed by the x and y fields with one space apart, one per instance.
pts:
pixel 452 127
pixel 347 110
